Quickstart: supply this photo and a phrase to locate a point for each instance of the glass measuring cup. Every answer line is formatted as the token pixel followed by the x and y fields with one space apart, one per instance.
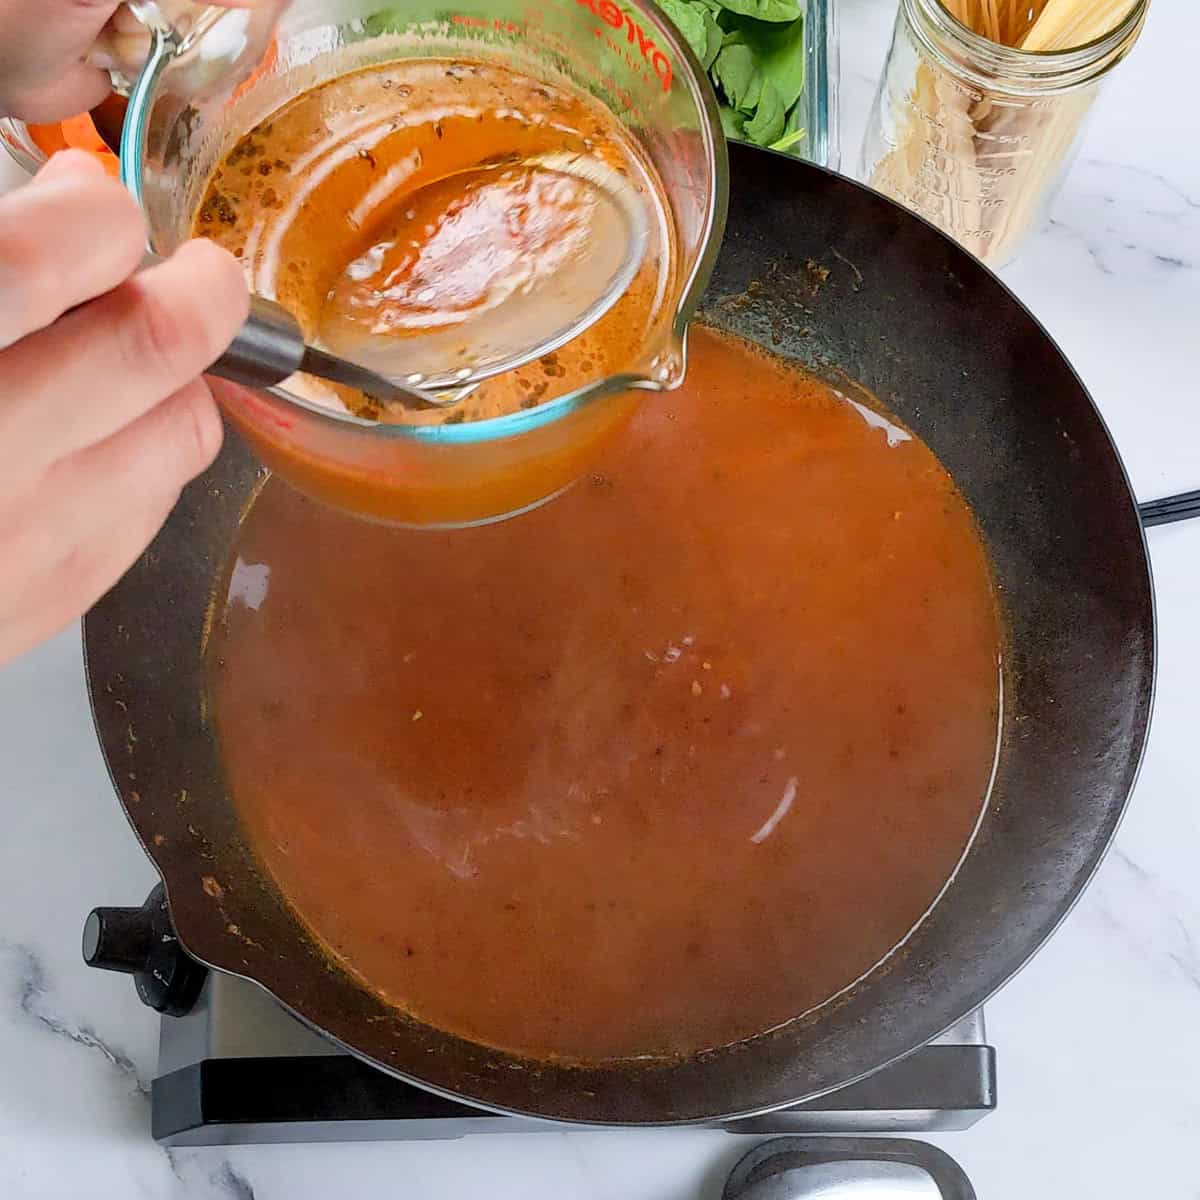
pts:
pixel 627 56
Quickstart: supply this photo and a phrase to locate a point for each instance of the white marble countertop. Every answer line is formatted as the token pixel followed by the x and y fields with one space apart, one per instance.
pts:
pixel 1098 1040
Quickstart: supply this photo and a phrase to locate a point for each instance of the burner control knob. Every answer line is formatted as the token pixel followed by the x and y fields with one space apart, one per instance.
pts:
pixel 141 942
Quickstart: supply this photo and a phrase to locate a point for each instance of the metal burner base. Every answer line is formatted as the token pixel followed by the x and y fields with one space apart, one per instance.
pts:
pixel 237 1069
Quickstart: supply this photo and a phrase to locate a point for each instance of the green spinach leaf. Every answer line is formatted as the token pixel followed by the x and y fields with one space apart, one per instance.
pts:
pixel 738 76
pixel 754 52
pixel 766 126
pixel 733 122
pixel 713 36
pixel 688 17
pixel 386 20
pixel 785 143
pixel 764 10
pixel 778 52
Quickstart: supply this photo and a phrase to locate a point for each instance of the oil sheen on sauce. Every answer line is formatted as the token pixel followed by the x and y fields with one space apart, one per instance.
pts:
pixel 649 770
pixel 393 201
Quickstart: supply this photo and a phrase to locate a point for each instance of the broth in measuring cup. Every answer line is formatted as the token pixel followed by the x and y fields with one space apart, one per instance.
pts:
pixel 395 199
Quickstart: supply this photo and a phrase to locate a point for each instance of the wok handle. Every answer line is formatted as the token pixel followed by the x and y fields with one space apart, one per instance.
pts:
pixel 1182 507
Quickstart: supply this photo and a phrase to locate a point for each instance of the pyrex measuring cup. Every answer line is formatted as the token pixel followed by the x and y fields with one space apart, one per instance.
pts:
pixel 626 55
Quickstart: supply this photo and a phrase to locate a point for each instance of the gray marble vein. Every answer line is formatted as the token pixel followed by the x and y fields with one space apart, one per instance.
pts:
pixel 1098 1039
pixel 1155 920
pixel 235 1185
pixel 33 1002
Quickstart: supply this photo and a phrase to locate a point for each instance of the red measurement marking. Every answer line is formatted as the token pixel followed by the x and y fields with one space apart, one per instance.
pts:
pixel 262 410
pixel 483 23
pixel 617 18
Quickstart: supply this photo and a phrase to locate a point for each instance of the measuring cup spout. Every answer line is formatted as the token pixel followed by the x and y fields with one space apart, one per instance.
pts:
pixel 667 367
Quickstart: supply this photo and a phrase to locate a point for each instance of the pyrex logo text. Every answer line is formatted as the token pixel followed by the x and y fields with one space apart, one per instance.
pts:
pixel 608 12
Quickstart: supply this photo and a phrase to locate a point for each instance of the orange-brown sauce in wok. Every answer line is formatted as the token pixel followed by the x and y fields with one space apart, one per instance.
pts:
pixel 665 763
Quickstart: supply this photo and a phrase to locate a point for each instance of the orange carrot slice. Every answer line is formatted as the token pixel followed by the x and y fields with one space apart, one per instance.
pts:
pixel 47 138
pixel 80 133
pixel 75 133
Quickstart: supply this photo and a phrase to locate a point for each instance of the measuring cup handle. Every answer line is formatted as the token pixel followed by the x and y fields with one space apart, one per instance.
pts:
pixel 174 28
pixel 122 50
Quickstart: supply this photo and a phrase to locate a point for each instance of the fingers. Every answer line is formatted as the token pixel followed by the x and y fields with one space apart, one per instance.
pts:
pixel 74 164
pixel 51 53
pixel 76 88
pixel 98 511
pixel 125 40
pixel 104 365
pixel 69 236
pixel 42 46
pixel 153 457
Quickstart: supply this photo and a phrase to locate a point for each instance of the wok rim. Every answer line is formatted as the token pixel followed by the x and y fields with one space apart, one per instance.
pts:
pixel 996 980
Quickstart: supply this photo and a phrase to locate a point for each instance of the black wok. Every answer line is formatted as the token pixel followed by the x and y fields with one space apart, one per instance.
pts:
pixel 921 324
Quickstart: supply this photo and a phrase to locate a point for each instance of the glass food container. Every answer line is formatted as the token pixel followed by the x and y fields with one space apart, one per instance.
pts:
pixel 820 97
pixel 975 136
pixel 774 68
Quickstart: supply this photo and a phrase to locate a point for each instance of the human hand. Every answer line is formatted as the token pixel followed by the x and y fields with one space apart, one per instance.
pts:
pixel 46 72
pixel 104 415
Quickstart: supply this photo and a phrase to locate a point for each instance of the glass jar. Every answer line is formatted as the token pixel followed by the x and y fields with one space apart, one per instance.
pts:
pixel 976 136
